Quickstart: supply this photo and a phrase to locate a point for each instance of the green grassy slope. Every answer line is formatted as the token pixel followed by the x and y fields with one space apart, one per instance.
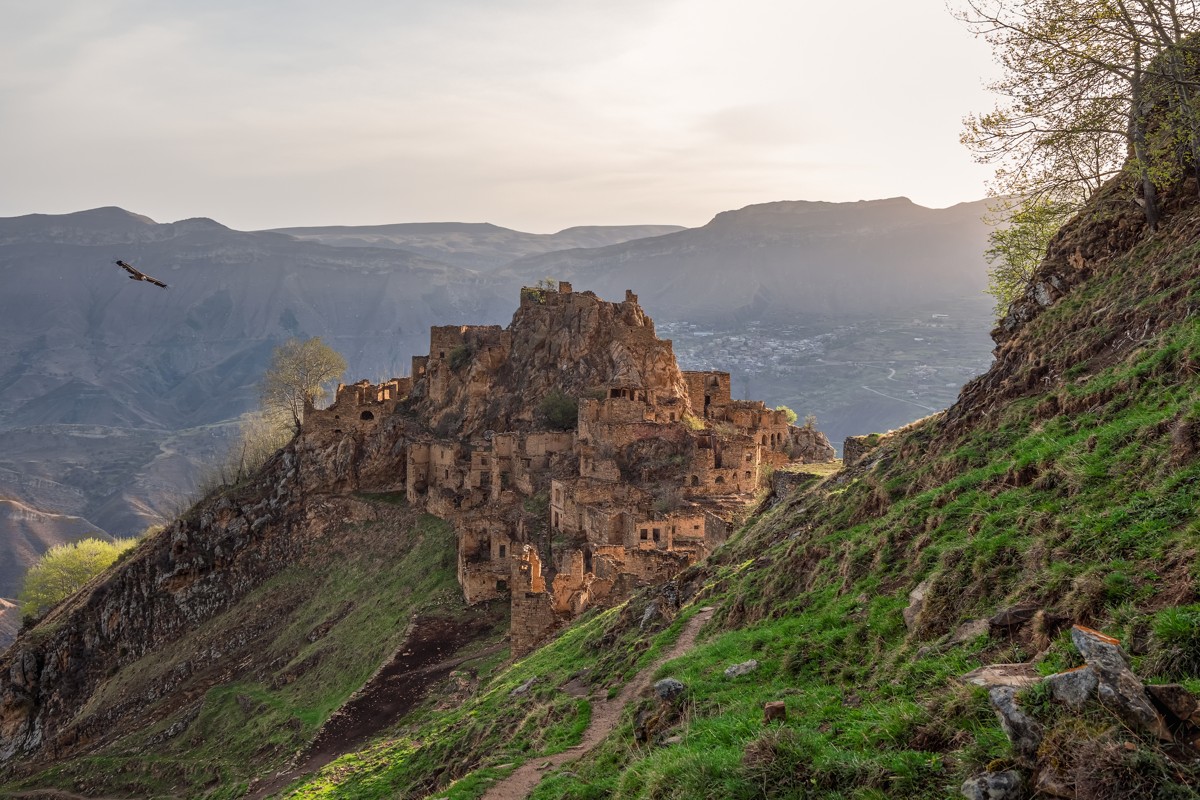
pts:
pixel 1066 479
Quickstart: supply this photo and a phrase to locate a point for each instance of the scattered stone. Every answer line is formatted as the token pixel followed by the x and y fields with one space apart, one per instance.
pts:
pixel 1176 701
pixel 774 710
pixel 1007 785
pixel 1019 676
pixel 1024 733
pixel 1119 689
pixel 1007 622
pixel 916 601
pixel 669 690
pixel 523 688
pixel 969 631
pixel 649 614
pixel 1051 782
pixel 1074 687
pixel 738 670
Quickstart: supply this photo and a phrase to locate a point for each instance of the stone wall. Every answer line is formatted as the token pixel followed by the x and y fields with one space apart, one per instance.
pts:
pixel 358 407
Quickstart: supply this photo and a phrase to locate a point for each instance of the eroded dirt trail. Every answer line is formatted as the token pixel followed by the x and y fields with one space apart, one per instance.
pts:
pixel 605 714
pixel 420 664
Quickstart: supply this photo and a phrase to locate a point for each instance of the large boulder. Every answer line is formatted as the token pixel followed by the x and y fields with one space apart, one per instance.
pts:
pixel 1023 732
pixel 1007 785
pixel 1118 688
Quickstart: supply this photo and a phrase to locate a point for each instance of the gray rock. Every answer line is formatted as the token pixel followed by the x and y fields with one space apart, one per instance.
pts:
pixel 669 690
pixel 1041 294
pixel 1119 689
pixel 969 631
pixel 916 601
pixel 1006 622
pixel 523 688
pixel 1007 785
pixel 1176 701
pixel 1024 733
pixel 738 670
pixel 650 613
pixel 1074 687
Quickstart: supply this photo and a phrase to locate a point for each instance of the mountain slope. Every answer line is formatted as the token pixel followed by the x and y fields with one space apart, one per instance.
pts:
pixel 779 260
pixel 1059 490
pixel 478 246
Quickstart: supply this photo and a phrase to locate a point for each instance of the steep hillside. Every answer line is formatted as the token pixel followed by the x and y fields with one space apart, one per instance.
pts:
pixel 479 246
pixel 10 622
pixel 776 261
pixel 1060 491
pixel 640 480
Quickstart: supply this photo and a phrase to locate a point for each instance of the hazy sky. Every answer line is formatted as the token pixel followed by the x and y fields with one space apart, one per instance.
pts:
pixel 533 114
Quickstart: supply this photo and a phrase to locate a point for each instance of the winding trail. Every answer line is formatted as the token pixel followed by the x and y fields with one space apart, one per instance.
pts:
pixel 605 715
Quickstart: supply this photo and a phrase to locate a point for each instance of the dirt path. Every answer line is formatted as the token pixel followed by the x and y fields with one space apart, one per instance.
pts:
pixel 605 714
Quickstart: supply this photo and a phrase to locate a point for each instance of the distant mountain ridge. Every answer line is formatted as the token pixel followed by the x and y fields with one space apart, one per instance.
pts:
pixel 791 257
pixel 478 246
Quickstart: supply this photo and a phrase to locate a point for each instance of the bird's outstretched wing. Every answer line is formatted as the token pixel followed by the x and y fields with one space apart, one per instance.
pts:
pixel 138 275
pixel 130 269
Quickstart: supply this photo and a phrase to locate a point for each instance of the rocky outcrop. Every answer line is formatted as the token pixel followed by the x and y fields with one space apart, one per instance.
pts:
pixel 1058 759
pixel 197 567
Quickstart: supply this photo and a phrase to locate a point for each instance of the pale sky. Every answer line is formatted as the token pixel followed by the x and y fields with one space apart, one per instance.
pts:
pixel 531 114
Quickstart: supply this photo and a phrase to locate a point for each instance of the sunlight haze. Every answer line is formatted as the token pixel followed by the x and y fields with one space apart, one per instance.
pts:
pixel 530 114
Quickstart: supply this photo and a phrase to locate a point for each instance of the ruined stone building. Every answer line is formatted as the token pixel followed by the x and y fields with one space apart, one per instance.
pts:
pixel 645 483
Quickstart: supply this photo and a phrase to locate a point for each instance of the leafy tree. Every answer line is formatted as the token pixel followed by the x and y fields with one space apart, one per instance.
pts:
pixel 1079 79
pixel 63 569
pixel 1019 246
pixel 298 374
pixel 791 415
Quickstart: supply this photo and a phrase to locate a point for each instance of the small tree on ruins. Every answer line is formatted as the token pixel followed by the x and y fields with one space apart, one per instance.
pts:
pixel 298 374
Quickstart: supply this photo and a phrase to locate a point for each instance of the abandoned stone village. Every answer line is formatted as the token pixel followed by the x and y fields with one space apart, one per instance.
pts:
pixel 572 456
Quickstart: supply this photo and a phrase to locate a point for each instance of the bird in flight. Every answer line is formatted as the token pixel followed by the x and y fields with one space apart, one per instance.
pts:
pixel 137 275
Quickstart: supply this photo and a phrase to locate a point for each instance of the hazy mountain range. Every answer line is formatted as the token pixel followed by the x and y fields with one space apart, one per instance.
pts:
pixel 787 259
pixel 114 394
pixel 474 245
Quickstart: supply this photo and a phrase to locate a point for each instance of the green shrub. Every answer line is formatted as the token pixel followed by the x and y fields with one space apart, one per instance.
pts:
pixel 459 357
pixel 558 410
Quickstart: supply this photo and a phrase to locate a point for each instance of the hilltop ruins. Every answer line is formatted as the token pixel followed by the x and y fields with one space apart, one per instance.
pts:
pixel 647 482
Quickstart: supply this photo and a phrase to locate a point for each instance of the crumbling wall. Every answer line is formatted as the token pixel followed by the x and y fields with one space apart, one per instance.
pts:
pixel 709 393
pixel 533 616
pixel 358 407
